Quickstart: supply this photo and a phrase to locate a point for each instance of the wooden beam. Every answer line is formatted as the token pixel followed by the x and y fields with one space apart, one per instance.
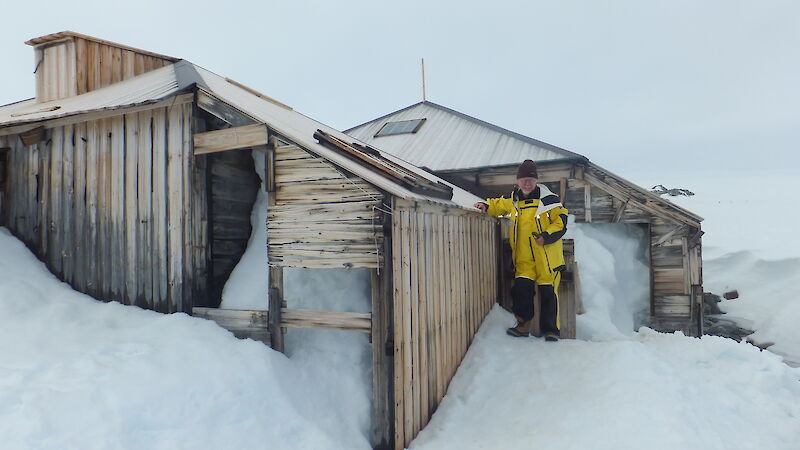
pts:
pixel 307 318
pixel 246 136
pixel 222 110
pixel 620 211
pixel 587 202
pixel 667 236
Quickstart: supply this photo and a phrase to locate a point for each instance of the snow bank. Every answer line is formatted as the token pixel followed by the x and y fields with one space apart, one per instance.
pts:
pixel 337 363
pixel 81 374
pixel 769 298
pixel 615 278
pixel 650 390
pixel 248 285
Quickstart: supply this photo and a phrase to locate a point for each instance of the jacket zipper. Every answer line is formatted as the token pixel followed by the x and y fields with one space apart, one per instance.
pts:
pixel 533 254
pixel 547 258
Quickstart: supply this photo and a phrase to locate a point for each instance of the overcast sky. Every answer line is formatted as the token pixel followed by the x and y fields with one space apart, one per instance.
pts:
pixel 632 85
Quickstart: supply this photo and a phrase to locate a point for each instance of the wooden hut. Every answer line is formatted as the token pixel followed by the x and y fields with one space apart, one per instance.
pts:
pixel 482 158
pixel 130 175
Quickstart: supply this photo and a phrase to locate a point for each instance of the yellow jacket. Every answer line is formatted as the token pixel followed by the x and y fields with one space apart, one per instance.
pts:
pixel 541 214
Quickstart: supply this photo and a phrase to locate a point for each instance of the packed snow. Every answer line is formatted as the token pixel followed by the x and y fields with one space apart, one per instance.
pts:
pixel 83 374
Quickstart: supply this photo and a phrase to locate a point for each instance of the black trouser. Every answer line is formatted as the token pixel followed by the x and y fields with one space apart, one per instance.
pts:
pixel 523 291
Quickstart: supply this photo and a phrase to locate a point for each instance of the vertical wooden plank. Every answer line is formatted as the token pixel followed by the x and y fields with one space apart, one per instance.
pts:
pixel 452 300
pixel 72 79
pixel 131 213
pixel 441 290
pixel 430 323
pixel 106 65
pixel 128 62
pixel 587 200
pixel 43 207
pixel 380 362
pixel 138 64
pixel 54 229
pixel 68 206
pixel 422 314
pixel 399 328
pixel 276 302
pixel 117 157
pixel 175 207
pixel 145 260
pixel 116 65
pixel 187 163
pixel 80 225
pixel 92 179
pixel 159 205
pixel 80 66
pixel 104 203
pixel 408 344
pixel 415 323
pixel 32 222
pixel 61 71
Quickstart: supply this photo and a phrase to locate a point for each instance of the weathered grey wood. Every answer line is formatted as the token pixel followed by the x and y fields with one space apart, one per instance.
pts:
pixel 80 225
pixel 145 262
pixel 131 249
pixel 245 136
pixel 160 269
pixel 382 355
pixel 300 318
pixel 175 207
pixel 187 167
pixel 276 307
pixel 54 227
pixel 117 228
pixel 222 110
pixel 68 206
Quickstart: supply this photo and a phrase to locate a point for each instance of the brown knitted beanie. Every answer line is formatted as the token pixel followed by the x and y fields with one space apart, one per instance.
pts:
pixel 527 169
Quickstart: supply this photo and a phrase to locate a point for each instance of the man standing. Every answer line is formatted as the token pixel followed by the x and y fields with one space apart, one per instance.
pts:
pixel 538 221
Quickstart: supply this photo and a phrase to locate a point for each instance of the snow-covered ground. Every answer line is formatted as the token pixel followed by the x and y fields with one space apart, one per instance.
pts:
pixel 81 374
pixel 76 373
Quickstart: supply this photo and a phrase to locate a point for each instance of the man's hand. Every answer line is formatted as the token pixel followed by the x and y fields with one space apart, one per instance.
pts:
pixel 480 205
pixel 540 240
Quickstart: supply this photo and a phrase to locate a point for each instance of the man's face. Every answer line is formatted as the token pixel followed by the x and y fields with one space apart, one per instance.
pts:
pixel 527 184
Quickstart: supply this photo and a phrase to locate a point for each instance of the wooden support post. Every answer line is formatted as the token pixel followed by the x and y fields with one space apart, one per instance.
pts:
pixel 382 358
pixel 275 306
pixel 620 211
pixel 562 189
pixel 275 272
pixel 587 202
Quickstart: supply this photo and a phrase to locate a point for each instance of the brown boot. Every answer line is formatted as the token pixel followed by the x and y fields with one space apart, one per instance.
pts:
pixel 523 329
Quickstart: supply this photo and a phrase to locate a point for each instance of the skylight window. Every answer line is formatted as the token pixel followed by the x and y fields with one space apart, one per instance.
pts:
pixel 400 127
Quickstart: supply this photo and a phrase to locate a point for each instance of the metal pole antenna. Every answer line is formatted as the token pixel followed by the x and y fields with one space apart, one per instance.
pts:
pixel 423 79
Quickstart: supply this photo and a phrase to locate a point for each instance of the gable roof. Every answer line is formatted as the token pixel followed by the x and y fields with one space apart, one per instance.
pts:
pixel 183 76
pixel 459 141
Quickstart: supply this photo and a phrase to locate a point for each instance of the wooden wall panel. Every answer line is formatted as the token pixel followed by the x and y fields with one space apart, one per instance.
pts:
pixel 322 216
pixel 444 282
pixel 103 203
pixel 75 66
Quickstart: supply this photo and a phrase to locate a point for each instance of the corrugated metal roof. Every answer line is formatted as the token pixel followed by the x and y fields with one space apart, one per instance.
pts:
pixel 172 79
pixel 149 87
pixel 451 140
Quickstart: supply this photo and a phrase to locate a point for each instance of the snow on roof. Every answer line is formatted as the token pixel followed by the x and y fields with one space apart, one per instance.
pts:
pixel 183 75
pixel 461 141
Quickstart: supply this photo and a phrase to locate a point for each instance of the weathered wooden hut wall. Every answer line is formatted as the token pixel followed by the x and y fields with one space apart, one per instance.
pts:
pixel 321 216
pixel 4 151
pixel 107 205
pixel 74 66
pixel 234 186
pixel 444 270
